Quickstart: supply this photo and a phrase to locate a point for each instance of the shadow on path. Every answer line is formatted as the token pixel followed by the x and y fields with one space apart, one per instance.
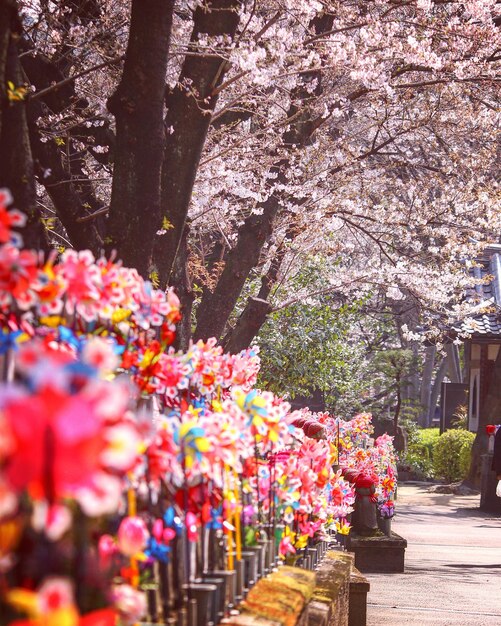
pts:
pixel 452 564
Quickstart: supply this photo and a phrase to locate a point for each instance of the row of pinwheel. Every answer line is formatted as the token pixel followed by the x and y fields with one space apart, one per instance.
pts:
pixel 127 468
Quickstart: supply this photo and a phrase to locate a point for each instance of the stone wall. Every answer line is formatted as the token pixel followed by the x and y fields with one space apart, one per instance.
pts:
pixel 296 597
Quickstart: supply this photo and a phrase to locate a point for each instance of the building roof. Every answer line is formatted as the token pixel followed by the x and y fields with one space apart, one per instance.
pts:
pixel 487 294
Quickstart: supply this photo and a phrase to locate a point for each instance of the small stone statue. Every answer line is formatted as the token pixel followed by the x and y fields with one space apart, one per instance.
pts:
pixel 364 517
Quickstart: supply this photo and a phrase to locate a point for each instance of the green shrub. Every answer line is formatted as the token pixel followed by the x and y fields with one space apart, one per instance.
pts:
pixel 451 454
pixel 419 453
pixel 465 457
pixel 428 437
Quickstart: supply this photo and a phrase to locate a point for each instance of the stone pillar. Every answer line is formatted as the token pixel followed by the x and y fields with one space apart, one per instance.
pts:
pixel 359 588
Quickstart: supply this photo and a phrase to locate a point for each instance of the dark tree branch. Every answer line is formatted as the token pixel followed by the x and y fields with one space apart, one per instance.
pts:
pixel 190 109
pixel 56 172
pixel 257 309
pixel 215 308
pixel 64 193
pixel 71 79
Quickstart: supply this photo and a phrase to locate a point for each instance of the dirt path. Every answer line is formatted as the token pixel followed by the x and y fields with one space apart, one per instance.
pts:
pixel 453 564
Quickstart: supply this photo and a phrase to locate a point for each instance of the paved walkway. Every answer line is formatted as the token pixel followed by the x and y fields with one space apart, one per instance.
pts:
pixel 453 564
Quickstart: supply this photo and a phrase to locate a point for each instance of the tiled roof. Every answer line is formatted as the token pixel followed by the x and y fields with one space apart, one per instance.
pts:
pixel 488 294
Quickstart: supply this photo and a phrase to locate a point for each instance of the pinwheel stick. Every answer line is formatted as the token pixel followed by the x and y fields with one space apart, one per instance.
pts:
pixel 132 508
pixel 238 510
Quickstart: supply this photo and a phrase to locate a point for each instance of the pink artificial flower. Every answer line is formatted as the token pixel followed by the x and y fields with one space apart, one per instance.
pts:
pixel 101 496
pixel 123 447
pixel 158 529
pixel 50 287
pixel 286 546
pixel 83 278
pixel 132 536
pixel 18 273
pixel 51 422
pixel 99 353
pixel 107 548
pixel 192 525
pixel 130 603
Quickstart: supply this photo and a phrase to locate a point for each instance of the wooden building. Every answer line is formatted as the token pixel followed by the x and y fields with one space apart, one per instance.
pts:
pixel 482 348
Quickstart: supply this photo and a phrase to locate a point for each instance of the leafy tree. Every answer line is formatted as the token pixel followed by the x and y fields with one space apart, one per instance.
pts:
pixel 309 346
pixel 396 367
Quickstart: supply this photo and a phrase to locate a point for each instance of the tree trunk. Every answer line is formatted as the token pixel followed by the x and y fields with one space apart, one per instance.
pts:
pixel 435 390
pixel 190 108
pixel 490 413
pixel 453 364
pixel 216 307
pixel 16 161
pixel 426 379
pixel 248 325
pixel 137 104
pixel 7 14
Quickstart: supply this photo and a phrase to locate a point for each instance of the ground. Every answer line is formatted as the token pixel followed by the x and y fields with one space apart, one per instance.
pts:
pixel 453 564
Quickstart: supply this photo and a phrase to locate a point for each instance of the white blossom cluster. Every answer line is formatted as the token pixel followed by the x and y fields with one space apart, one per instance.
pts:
pixel 398 180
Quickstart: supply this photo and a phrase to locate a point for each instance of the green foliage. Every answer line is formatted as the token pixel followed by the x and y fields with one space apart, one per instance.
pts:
pixel 392 371
pixel 451 454
pixel 420 446
pixel 314 343
pixel 428 437
pixel 461 418
pixel 396 364
pixel 465 456
pixel 306 347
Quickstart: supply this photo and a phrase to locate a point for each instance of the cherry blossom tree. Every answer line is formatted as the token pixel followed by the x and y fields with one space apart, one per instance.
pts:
pixel 217 143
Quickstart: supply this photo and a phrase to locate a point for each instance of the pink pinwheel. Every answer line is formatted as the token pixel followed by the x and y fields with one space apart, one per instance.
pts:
pixel 18 272
pixel 66 443
pixel 83 278
pixel 9 219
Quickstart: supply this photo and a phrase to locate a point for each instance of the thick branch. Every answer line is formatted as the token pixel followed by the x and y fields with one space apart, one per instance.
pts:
pixel 71 79
pixel 57 165
pixel 257 309
pixel 55 175
pixel 190 109
pixel 215 308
